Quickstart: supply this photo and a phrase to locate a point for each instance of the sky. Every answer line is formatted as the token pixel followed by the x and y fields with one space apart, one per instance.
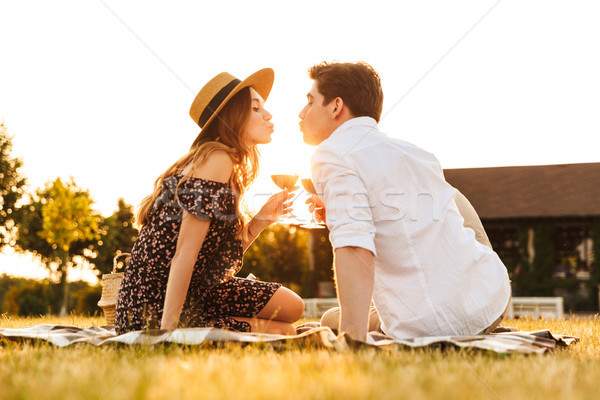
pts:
pixel 101 90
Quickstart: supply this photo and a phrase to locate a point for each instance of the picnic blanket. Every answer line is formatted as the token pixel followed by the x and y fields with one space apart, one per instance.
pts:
pixel 66 335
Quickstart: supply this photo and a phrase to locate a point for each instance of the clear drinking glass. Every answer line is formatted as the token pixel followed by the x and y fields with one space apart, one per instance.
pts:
pixel 310 188
pixel 286 182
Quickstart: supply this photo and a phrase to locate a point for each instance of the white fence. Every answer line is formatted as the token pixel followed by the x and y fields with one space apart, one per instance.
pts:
pixel 314 308
pixel 535 307
pixel 547 307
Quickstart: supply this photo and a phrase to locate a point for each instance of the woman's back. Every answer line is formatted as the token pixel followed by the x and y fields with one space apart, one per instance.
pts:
pixel 143 289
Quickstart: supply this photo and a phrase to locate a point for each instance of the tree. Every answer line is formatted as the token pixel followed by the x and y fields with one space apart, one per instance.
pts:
pixel 321 268
pixel 117 234
pixel 279 254
pixel 11 185
pixel 58 224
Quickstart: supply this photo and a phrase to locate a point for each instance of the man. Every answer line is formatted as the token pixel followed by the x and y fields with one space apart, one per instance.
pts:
pixel 399 238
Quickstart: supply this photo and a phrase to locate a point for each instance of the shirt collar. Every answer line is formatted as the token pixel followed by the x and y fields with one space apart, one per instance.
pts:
pixel 357 121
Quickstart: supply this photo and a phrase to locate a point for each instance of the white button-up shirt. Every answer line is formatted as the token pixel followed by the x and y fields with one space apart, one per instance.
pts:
pixel 432 277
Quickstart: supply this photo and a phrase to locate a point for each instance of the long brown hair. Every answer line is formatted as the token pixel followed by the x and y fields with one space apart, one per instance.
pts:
pixel 223 134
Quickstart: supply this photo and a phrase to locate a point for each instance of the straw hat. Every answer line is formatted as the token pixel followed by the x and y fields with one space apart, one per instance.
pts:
pixel 219 90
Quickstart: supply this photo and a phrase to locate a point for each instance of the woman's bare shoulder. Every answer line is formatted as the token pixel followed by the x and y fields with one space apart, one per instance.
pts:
pixel 217 167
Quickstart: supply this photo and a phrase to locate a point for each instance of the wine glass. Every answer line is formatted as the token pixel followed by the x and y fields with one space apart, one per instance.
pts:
pixel 286 182
pixel 310 188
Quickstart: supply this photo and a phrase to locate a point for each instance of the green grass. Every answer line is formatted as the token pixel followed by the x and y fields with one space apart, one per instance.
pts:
pixel 40 371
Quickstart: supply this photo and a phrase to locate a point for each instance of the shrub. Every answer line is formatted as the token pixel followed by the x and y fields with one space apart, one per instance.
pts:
pixel 31 306
pixel 28 299
pixel 86 300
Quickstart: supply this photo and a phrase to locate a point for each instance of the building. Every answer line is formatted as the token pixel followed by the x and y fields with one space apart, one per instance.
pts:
pixel 544 222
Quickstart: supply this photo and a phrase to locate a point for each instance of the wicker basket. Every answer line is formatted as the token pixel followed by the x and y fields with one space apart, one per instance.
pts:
pixel 110 291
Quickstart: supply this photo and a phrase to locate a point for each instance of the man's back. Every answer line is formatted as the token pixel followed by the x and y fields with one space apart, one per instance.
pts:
pixel 431 276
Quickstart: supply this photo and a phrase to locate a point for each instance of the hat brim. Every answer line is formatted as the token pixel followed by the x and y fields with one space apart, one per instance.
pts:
pixel 261 81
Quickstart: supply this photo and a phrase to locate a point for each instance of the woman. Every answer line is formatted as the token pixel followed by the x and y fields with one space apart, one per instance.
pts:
pixel 194 228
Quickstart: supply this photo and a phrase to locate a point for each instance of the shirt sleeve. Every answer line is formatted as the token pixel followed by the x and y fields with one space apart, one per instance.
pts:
pixel 348 209
pixel 471 218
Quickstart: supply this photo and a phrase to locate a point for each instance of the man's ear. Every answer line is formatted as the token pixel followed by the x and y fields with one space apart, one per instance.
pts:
pixel 338 107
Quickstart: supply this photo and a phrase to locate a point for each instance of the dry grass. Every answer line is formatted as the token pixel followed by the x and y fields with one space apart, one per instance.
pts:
pixel 39 371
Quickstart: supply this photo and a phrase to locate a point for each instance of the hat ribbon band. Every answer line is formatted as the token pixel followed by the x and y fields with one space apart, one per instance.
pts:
pixel 217 99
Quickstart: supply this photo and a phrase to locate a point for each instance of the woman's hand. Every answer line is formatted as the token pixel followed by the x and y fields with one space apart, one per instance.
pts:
pixel 317 207
pixel 277 205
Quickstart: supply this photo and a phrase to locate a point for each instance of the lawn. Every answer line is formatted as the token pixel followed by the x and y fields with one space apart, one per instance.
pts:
pixel 40 371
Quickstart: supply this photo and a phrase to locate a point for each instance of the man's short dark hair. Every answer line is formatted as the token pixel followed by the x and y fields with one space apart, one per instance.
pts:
pixel 358 84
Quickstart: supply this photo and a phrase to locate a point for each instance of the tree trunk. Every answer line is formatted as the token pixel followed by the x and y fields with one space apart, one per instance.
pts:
pixel 65 286
pixel 310 277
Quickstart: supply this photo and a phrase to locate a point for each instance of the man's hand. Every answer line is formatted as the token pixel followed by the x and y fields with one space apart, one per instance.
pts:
pixel 317 207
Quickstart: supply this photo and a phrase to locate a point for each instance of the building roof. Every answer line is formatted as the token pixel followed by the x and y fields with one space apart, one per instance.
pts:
pixel 530 191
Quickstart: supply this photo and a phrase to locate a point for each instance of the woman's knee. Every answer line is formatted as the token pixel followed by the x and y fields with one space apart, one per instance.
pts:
pixel 297 307
pixel 285 306
pixel 292 305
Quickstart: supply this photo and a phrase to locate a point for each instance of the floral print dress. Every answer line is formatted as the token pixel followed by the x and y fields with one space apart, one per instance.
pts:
pixel 215 296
